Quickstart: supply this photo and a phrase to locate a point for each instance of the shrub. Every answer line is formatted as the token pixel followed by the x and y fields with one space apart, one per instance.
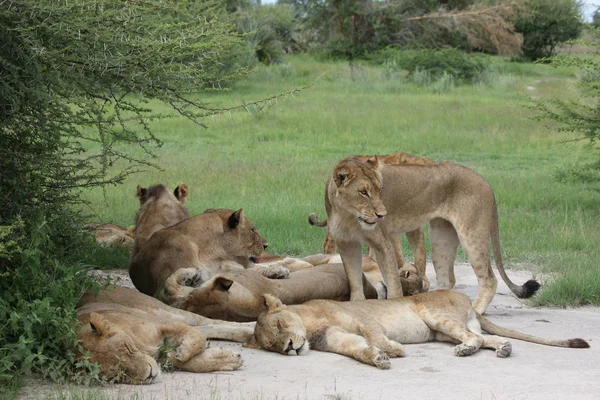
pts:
pixel 580 118
pixel 76 76
pixel 546 23
pixel 461 65
pixel 269 30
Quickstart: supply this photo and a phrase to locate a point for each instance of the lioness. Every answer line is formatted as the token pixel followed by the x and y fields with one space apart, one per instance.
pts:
pixel 370 331
pixel 159 208
pixel 237 295
pixel 416 238
pixel 123 330
pixel 205 240
pixel 371 202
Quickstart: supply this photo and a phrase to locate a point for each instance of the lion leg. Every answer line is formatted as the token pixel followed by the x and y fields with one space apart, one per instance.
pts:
pixel 187 341
pixel 233 333
pixel 375 336
pixel 502 346
pixel 476 245
pixel 339 341
pixel 213 359
pixel 329 243
pixel 351 254
pixel 444 243
pixel 387 263
pixel 180 284
pixel 416 239
pixel 274 270
pixel 451 325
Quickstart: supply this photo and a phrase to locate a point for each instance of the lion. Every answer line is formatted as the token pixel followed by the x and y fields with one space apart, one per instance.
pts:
pixel 159 208
pixel 416 238
pixel 207 240
pixel 372 331
pixel 236 295
pixel 458 204
pixel 107 234
pixel 125 332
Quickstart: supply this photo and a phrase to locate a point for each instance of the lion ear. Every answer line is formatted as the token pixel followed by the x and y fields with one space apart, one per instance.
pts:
pixel 99 324
pixel 271 302
pixel 140 193
pixel 181 192
pixel 341 176
pixel 235 219
pixel 374 162
pixel 252 343
pixel 221 283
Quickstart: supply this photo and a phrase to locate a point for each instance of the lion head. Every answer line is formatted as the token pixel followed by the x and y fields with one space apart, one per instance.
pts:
pixel 159 208
pixel 278 329
pixel 241 241
pixel 115 352
pixel 358 189
pixel 218 297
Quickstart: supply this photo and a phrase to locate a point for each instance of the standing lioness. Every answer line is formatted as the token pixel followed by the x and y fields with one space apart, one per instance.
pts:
pixel 370 202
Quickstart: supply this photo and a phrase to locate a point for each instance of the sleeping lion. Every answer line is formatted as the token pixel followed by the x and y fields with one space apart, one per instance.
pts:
pixel 371 331
pixel 123 330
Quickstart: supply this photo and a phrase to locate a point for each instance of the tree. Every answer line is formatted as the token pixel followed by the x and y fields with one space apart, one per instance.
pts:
pixel 353 28
pixel 76 77
pixel 582 119
pixel 547 23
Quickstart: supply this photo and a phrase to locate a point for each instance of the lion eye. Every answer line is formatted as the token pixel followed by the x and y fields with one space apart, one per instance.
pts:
pixel 364 193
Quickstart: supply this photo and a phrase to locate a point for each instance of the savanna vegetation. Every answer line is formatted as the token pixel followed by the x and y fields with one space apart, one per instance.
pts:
pixel 251 106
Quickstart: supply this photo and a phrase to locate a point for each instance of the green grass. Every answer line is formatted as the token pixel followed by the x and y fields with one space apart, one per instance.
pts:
pixel 274 161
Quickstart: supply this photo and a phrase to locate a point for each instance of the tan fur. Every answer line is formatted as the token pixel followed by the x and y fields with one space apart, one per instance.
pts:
pixel 236 295
pixel 372 331
pixel 416 238
pixel 217 241
pixel 159 208
pixel 123 329
pixel 108 234
pixel 457 202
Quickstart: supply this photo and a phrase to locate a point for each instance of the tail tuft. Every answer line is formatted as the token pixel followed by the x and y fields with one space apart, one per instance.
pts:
pixel 578 343
pixel 528 289
pixel 314 220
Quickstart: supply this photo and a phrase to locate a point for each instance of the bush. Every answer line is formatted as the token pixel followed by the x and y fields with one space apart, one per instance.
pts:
pixel 76 77
pixel 580 118
pixel 547 23
pixel 437 63
pixel 40 286
pixel 269 30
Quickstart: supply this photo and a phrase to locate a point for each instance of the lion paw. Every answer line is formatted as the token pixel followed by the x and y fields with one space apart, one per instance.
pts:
pixel 395 350
pixel 185 351
pixel 504 350
pixel 276 272
pixel 225 359
pixel 463 350
pixel 378 357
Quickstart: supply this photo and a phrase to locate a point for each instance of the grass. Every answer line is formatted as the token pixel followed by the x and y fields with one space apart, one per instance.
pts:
pixel 274 161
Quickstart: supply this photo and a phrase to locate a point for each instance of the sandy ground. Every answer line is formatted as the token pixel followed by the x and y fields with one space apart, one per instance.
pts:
pixel 429 371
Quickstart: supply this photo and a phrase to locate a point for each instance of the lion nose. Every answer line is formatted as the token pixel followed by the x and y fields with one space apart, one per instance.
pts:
pixel 265 245
pixel 381 214
pixel 290 346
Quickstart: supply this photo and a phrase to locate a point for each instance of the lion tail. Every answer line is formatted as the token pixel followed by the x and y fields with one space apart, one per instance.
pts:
pixel 524 291
pixel 494 329
pixel 314 220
